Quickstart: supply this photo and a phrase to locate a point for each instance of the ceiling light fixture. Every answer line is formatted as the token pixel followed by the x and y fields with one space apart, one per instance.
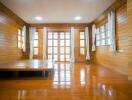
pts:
pixel 78 18
pixel 38 18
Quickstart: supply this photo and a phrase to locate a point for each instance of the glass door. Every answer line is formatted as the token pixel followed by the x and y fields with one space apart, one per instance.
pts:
pixel 59 46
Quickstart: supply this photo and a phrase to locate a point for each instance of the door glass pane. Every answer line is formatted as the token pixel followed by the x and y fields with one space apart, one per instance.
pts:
pixel 81 43
pixel 61 57
pixel 35 51
pixel 55 35
pixel 35 43
pixel 56 57
pixel 55 50
pixel 49 35
pixel 67 57
pixel 49 50
pixel 36 35
pixel 49 42
pixel 49 56
pixel 61 50
pixel 55 42
pixel 67 50
pixel 67 42
pixel 62 35
pixel 61 42
pixel 81 35
pixel 82 51
pixel 67 35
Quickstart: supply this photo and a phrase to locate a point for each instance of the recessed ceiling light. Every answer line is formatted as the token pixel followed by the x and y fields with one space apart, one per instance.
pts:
pixel 38 18
pixel 78 18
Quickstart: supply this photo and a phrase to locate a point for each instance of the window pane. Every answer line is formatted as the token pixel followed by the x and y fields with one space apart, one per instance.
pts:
pixel 67 42
pixel 67 50
pixel 82 51
pixel 67 35
pixel 35 43
pixel 67 57
pixel 103 35
pixel 55 42
pixel 61 57
pixel 55 35
pixel 19 44
pixel 19 38
pixel 108 33
pixel 81 35
pixel 22 38
pixel 22 45
pixel 97 43
pixel 81 43
pixel 108 41
pixel 50 35
pixel 97 32
pixel 62 35
pixel 36 35
pixel 61 50
pixel 61 42
pixel 49 42
pixel 56 57
pixel 106 26
pixel 35 51
pixel 49 56
pixel 97 37
pixel 19 32
pixel 55 50
pixel 49 50
pixel 102 29
pixel 102 42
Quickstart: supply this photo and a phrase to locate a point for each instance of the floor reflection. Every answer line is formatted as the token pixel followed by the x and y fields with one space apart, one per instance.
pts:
pixel 70 82
pixel 62 75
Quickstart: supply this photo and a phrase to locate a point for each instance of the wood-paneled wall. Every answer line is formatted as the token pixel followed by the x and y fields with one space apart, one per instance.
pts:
pixel 117 61
pixel 9 25
pixel 129 34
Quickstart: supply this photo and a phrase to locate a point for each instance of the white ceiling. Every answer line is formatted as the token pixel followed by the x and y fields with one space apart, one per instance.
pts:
pixel 58 11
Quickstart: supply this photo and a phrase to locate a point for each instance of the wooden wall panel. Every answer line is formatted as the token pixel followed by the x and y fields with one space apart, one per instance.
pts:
pixel 117 61
pixel 9 25
pixel 129 19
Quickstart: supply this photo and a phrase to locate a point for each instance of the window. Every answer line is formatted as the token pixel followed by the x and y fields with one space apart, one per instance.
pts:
pixel 20 39
pixel 107 35
pixel 35 43
pixel 102 35
pixel 59 46
pixel 82 43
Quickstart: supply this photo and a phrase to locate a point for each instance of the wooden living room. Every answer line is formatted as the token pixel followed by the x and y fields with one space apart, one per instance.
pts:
pixel 65 49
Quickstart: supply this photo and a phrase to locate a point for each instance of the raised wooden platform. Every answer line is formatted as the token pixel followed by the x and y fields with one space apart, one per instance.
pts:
pixel 29 66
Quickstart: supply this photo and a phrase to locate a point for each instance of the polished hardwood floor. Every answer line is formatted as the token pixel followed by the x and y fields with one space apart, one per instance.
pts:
pixel 70 82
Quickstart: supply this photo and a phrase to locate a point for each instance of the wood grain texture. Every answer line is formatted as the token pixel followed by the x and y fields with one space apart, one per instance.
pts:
pixel 70 82
pixel 117 61
pixel 9 25
pixel 129 34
